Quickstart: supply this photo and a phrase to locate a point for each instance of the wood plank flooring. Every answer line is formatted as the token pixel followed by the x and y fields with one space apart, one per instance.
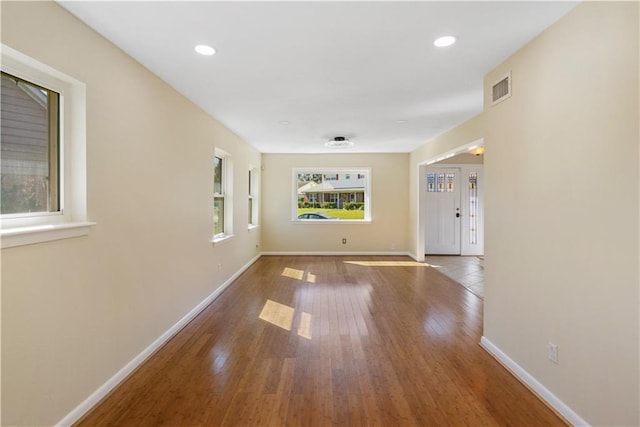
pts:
pixel 343 341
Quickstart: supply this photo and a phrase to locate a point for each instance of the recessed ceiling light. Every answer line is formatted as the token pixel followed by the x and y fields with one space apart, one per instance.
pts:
pixel 203 49
pixel 401 122
pixel 444 41
pixel 284 122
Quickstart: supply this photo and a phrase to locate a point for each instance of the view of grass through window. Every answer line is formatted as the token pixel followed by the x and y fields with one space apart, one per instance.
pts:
pixel 331 195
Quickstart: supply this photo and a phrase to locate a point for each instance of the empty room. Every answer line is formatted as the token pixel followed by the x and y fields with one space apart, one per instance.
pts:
pixel 320 213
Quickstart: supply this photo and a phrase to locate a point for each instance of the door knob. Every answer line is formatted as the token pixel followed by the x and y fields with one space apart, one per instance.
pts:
pixel 457 214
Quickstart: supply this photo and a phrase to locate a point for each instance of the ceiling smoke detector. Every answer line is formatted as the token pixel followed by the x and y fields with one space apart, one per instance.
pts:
pixel 338 142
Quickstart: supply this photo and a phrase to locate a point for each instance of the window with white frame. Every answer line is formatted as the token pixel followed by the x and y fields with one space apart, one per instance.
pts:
pixel 30 147
pixel 222 202
pixel 43 127
pixel 253 198
pixel 331 194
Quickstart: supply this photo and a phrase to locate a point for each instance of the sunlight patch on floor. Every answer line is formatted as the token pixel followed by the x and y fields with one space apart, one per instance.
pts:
pixel 304 328
pixel 282 316
pixel 277 314
pixel 293 273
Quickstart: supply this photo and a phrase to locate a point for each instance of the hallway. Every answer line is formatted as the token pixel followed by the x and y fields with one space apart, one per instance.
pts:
pixel 306 340
pixel 466 270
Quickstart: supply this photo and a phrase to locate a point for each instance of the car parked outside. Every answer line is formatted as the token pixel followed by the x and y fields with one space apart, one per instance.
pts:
pixel 315 215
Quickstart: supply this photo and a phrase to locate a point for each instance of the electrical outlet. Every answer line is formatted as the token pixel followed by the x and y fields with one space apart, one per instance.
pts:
pixel 553 352
pixel 219 267
pixel 344 241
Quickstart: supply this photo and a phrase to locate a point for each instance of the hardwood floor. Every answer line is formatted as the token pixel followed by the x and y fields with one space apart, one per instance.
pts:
pixel 305 341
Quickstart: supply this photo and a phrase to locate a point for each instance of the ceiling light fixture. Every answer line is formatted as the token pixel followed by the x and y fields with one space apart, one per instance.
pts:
pixel 476 151
pixel 338 142
pixel 203 49
pixel 444 41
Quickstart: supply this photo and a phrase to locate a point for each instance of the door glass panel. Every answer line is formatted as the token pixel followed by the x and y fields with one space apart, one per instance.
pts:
pixel 441 182
pixel 450 179
pixel 440 178
pixel 473 208
pixel 431 183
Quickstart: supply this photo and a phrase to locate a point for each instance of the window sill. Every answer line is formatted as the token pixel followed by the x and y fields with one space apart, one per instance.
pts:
pixel 253 227
pixel 329 221
pixel 222 239
pixel 21 236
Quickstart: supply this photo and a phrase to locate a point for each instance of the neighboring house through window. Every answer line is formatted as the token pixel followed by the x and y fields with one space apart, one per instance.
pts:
pixel 42 161
pixel 335 193
pixel 30 147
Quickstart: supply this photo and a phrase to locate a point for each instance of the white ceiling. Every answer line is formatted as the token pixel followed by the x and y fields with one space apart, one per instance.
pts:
pixel 364 70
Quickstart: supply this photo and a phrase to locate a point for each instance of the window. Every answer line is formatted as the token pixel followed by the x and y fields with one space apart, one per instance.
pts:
pixel 43 145
pixel 222 203
pixel 473 208
pixel 331 195
pixel 440 182
pixel 253 198
pixel 30 147
pixel 218 195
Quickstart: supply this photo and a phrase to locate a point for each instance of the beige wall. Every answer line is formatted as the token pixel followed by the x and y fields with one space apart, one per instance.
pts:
pixel 562 196
pixel 561 173
pixel 468 132
pixel 76 311
pixel 387 231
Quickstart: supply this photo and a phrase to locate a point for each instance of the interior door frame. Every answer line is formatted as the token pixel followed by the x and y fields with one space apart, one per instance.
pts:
pixel 422 191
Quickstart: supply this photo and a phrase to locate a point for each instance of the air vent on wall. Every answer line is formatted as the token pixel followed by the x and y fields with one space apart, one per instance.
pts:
pixel 501 90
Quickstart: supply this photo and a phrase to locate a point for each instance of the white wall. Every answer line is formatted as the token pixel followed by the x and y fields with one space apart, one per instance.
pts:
pixel 75 311
pixel 387 231
pixel 561 171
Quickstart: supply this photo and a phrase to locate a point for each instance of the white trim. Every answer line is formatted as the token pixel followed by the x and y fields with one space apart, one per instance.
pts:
pixel 72 150
pixel 337 253
pixel 422 193
pixel 535 385
pixel 331 221
pixel 226 195
pixel 222 238
pixel 123 373
pixel 43 233
pixel 466 249
pixel 254 196
pixel 458 150
pixel 367 193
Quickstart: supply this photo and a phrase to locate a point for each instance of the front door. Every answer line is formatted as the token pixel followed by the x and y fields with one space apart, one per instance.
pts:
pixel 443 212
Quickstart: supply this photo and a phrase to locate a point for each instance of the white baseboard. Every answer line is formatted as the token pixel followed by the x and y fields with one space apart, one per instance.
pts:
pixel 123 373
pixel 535 385
pixel 337 253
